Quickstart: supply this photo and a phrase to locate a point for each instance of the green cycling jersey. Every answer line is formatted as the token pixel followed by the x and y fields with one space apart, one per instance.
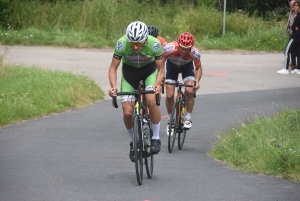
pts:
pixel 151 51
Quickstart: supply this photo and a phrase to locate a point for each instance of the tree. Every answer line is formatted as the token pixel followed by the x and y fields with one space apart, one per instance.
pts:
pixel 258 7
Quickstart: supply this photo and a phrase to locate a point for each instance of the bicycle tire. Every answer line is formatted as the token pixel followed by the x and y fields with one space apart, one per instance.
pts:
pixel 138 154
pixel 149 159
pixel 182 133
pixel 173 126
pixel 181 138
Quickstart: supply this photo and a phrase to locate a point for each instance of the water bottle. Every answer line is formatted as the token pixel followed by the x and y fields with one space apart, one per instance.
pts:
pixel 146 132
pixel 182 114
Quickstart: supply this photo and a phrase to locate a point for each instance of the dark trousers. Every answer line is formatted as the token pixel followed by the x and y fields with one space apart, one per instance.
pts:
pixel 292 56
pixel 292 46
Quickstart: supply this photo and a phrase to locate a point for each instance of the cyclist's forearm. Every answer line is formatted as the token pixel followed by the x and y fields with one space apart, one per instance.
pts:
pixel 112 78
pixel 160 77
pixel 198 73
pixel 161 71
pixel 112 75
pixel 112 72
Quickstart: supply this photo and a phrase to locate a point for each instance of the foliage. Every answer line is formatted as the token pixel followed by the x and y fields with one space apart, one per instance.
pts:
pixel 4 7
pixel 93 23
pixel 270 10
pixel 265 146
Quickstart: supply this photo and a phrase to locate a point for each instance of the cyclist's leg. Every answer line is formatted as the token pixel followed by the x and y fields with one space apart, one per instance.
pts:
pixel 171 77
pixel 128 121
pixel 154 111
pixel 155 114
pixel 170 90
pixel 127 84
pixel 127 104
pixel 188 77
pixel 169 102
pixel 190 95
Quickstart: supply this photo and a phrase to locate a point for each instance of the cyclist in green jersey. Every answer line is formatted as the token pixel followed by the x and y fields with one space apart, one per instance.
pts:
pixel 141 57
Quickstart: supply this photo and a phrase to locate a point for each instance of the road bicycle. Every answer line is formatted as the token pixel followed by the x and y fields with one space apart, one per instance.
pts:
pixel 176 124
pixel 142 132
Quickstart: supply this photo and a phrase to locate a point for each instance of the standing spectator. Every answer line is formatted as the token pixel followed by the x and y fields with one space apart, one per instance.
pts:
pixel 292 55
pixel 296 35
pixel 293 44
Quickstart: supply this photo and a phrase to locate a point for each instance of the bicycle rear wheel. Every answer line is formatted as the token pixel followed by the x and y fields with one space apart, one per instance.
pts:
pixel 149 159
pixel 174 121
pixel 138 152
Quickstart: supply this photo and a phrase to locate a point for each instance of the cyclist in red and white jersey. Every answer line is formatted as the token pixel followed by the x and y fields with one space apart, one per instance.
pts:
pixel 182 57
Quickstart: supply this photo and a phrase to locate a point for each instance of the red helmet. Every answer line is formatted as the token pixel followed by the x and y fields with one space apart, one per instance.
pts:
pixel 186 39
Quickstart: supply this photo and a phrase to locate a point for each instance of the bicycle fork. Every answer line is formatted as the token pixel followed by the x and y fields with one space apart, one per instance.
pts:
pixel 140 128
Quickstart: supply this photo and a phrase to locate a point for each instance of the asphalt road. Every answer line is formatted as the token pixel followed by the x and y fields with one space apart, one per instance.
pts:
pixel 83 154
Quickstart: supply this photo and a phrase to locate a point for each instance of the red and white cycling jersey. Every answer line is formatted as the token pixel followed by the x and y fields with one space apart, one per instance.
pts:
pixel 171 52
pixel 163 42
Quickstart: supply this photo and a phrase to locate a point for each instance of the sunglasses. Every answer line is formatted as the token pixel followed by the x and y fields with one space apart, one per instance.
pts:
pixel 136 44
pixel 184 47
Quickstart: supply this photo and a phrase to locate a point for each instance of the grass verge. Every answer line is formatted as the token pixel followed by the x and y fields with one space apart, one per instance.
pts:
pixel 266 39
pixel 265 146
pixel 27 93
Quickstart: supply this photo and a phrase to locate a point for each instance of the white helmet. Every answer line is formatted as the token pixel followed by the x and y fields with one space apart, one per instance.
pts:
pixel 137 32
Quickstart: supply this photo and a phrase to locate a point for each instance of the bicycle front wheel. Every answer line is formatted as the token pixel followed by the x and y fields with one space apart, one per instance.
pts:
pixel 149 159
pixel 182 133
pixel 138 151
pixel 174 121
pixel 149 165
pixel 181 138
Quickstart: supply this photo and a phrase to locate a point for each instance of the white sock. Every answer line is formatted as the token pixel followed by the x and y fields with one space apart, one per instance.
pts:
pixel 169 117
pixel 130 132
pixel 188 116
pixel 155 129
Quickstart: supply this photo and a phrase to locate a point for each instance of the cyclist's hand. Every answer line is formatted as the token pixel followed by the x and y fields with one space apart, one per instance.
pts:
pixel 197 86
pixel 157 89
pixel 112 92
